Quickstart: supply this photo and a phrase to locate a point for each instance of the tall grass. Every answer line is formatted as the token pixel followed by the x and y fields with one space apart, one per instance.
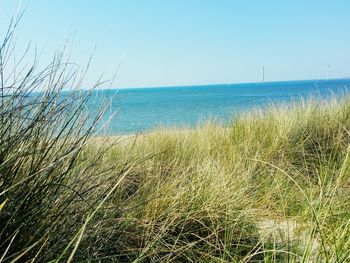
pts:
pixel 48 187
pixel 270 186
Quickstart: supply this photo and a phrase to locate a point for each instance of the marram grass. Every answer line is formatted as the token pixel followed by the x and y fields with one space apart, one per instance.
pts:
pixel 270 186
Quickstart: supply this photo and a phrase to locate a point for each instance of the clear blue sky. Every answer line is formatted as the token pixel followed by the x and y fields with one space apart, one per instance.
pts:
pixel 186 42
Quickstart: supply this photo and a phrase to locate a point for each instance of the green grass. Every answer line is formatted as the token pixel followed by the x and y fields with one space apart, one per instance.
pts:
pixel 270 186
pixel 284 164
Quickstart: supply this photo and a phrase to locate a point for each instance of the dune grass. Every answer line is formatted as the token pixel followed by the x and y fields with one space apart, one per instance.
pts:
pixel 270 186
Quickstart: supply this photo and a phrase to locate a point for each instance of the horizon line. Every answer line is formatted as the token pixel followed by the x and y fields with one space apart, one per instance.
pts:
pixel 227 83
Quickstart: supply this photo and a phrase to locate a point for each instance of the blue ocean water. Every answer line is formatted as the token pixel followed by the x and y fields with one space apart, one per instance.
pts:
pixel 142 109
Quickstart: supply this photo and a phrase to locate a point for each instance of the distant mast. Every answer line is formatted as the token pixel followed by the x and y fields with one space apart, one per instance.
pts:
pixel 263 75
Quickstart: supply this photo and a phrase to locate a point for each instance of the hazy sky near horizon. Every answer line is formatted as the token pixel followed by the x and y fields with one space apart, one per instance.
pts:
pixel 188 42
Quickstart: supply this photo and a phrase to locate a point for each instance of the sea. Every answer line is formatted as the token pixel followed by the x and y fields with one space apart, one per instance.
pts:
pixel 139 110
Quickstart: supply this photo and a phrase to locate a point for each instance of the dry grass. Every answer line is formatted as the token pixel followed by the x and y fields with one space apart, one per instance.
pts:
pixel 208 193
